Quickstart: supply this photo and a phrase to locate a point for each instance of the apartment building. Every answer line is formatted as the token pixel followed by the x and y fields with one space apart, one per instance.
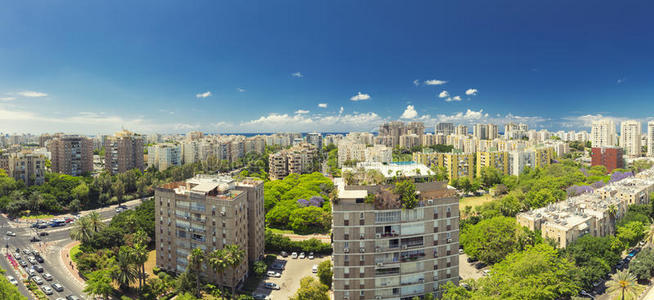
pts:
pixel 650 138
pixel 495 159
pixel 461 130
pixel 409 141
pixel 589 213
pixel 458 165
pixel 123 152
pixel 24 166
pixel 602 133
pixel 390 132
pixel 444 128
pixel 299 159
pixel 513 131
pixel 532 158
pixel 71 155
pixel 610 157
pixel 350 151
pixel 480 131
pixel 315 138
pixel 630 134
pixel 382 251
pixel 209 212
pixel 164 156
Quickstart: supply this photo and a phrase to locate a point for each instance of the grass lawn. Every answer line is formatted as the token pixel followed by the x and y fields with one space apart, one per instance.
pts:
pixel 73 252
pixel 280 231
pixel 152 261
pixel 36 217
pixel 474 201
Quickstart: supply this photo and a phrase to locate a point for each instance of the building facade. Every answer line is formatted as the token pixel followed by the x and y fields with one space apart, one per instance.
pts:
pixel 630 134
pixel 650 138
pixel 610 157
pixel 71 155
pixel 495 159
pixel 123 152
pixel 382 251
pixel 208 213
pixel 602 133
pixel 299 159
pixel 24 166
pixel 164 156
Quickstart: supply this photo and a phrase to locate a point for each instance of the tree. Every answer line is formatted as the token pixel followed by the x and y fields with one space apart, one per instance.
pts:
pixel 81 193
pixel 325 273
pixel 407 191
pixel 259 268
pixel 233 256
pixel 492 239
pixel 631 233
pixel 125 273
pixel 140 254
pixel 195 262
pixel 643 265
pixel 624 283
pixel 217 262
pixel 98 283
pixel 118 188
pixel 7 290
pixel 82 230
pixel 594 257
pixel 311 289
pixel 490 177
pixel 96 221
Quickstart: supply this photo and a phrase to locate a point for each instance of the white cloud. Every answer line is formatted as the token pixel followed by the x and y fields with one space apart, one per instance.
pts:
pixel 7 98
pixel 322 105
pixel 435 82
pixel 471 92
pixel 455 98
pixel 301 111
pixel 416 82
pixel 297 75
pixel 203 95
pixel 409 113
pixel 443 94
pixel 340 111
pixel 240 90
pixel 32 94
pixel 285 122
pixel 360 97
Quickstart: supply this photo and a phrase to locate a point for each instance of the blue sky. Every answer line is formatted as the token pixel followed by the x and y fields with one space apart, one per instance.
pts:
pixel 262 66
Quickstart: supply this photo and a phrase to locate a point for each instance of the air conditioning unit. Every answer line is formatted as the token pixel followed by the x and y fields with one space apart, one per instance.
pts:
pixel 346 250
pixel 378 250
pixel 380 264
pixel 362 249
pixel 430 201
pixel 378 235
pixel 378 297
pixel 449 240
pixel 405 246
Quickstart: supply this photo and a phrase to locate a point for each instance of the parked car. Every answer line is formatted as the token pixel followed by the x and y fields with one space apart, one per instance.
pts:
pixel 37 280
pixel 260 296
pixel 273 274
pixel 47 276
pixel 471 259
pixel 284 254
pixel 47 290
pixel 38 268
pixel 17 256
pixel 11 233
pixel 302 256
pixel 479 265
pixel 22 263
pixel 31 272
pixel 42 226
pixel 12 280
pixel 27 251
pixel 32 260
pixel 35 239
pixel 460 251
pixel 486 272
pixel 271 285
pixel 310 255
pixel 58 287
pixel 294 255
pixel 314 269
pixel 39 258
pixel 72 297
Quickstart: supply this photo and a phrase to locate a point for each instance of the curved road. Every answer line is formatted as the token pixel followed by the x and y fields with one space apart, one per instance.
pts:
pixel 50 248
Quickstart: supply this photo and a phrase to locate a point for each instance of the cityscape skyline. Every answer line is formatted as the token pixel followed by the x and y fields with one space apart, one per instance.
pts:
pixel 163 68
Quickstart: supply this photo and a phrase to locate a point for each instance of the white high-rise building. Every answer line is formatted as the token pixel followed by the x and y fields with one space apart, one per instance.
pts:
pixel 602 133
pixel 650 138
pixel 630 132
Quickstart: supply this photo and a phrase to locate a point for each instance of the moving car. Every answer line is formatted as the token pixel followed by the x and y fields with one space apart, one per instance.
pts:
pixel 43 233
pixel 58 287
pixel 47 290
pixel 314 269
pixel 69 219
pixel 302 256
pixel 294 255
pixel 11 233
pixel 47 276
pixel 270 285
pixel 12 280
pixel 35 239
pixel 273 274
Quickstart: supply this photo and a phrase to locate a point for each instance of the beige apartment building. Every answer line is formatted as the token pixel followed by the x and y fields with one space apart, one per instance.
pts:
pixel 299 160
pixel 24 166
pixel 382 251
pixel 494 159
pixel 209 212
pixel 123 152
pixel 458 165
pixel 71 154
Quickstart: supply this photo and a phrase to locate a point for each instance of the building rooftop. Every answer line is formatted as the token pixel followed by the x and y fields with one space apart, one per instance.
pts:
pixel 410 169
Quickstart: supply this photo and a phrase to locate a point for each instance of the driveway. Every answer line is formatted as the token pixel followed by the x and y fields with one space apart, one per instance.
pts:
pixel 289 283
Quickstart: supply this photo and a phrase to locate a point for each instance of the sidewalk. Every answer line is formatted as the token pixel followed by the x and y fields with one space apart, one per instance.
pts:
pixel 71 267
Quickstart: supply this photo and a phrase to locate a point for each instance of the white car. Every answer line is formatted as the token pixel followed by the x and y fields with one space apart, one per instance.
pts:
pixel 486 272
pixel 37 280
pixel 12 280
pixel 11 233
pixel 302 256
pixel 273 274
pixel 272 286
pixel 47 290
pixel 294 255
pixel 47 276
pixel 310 255
pixel 314 269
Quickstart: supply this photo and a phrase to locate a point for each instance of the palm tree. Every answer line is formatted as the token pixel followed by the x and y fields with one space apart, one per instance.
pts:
pixel 96 221
pixel 624 282
pixel 125 272
pixel 140 253
pixel 82 231
pixel 234 256
pixel 195 262
pixel 217 262
pixel 613 211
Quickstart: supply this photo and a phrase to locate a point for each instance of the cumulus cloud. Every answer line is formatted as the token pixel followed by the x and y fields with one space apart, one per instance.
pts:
pixel 340 111
pixel 32 94
pixel 435 82
pixel 360 97
pixel 471 92
pixel 240 90
pixel 297 75
pixel 203 95
pixel 303 122
pixel 455 98
pixel 416 82
pixel 322 105
pixel 443 94
pixel 584 121
pixel 301 111
pixel 409 113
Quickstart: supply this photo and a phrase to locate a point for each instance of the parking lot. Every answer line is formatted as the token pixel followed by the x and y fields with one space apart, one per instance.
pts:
pixel 289 282
pixel 467 270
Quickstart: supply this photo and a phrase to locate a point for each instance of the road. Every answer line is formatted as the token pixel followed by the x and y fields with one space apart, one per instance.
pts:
pixel 50 248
